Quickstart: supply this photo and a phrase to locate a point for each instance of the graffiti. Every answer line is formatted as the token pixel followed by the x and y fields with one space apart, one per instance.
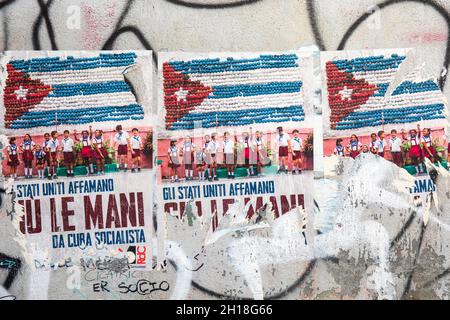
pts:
pixel 12 265
pixel 120 29
pixel 67 263
pixel 143 287
pixel 115 265
pixel 385 4
pixel 96 275
pixel 406 247
pixel 212 4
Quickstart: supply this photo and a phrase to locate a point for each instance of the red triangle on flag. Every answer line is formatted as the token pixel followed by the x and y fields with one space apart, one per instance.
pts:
pixel 345 93
pixel 181 95
pixel 21 94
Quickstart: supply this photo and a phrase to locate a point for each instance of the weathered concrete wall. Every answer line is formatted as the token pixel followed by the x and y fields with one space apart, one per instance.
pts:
pixel 372 241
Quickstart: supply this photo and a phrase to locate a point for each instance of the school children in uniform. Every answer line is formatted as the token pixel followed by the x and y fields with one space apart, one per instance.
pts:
pixel 229 154
pixel 339 149
pixel 283 143
pixel 365 149
pixel 99 153
pixel 136 147
pixel 205 149
pixel 246 145
pixel 373 145
pixel 427 144
pixel 381 143
pixel 261 153
pixel 12 157
pixel 395 146
pixel 54 148
pixel 122 142
pixel 212 155
pixel 86 149
pixel 47 149
pixel 200 160
pixel 187 152
pixel 297 149
pixel 27 149
pixel 174 161
pixel 354 147
pixel 67 145
pixel 415 152
pixel 40 156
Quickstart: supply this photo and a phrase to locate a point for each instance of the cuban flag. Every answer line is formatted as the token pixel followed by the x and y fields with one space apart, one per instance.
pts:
pixel 217 92
pixel 357 94
pixel 42 92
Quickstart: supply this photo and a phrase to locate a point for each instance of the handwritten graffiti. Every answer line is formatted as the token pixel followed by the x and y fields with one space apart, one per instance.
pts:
pixel 115 265
pixel 143 287
pixel 12 265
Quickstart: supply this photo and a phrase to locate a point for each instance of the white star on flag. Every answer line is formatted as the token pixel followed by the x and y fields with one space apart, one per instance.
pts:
pixel 21 93
pixel 181 94
pixel 346 93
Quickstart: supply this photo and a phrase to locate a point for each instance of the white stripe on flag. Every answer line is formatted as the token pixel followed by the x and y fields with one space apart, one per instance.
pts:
pixel 86 101
pixel 80 76
pixel 377 76
pixel 252 102
pixel 248 77
pixel 403 100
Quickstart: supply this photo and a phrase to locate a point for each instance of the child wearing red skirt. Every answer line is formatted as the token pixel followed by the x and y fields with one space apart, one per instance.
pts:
pixel 246 144
pixel 27 149
pixel 99 153
pixel 136 146
pixel 86 149
pixel 297 149
pixel 427 144
pixel 354 147
pixel 174 161
pixel 12 157
pixel 415 152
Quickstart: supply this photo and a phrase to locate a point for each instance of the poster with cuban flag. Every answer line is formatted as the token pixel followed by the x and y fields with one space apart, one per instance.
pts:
pixel 383 89
pixel 217 90
pixel 47 89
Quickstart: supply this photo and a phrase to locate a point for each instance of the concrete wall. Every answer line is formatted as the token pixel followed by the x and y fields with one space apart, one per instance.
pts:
pixel 373 241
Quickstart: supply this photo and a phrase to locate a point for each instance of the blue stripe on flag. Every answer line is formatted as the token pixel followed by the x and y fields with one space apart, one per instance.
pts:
pixel 239 117
pixel 414 87
pixel 52 64
pixel 374 118
pixel 34 119
pixel 231 64
pixel 75 89
pixel 382 88
pixel 245 90
pixel 368 64
pixel 407 87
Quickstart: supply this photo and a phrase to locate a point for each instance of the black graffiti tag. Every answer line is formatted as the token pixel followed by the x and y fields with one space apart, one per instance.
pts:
pixel 143 287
